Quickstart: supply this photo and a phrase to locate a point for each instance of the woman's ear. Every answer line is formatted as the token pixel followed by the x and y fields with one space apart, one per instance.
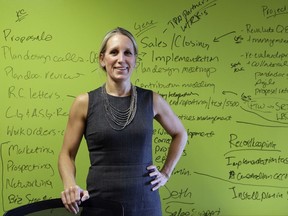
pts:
pixel 135 61
pixel 101 61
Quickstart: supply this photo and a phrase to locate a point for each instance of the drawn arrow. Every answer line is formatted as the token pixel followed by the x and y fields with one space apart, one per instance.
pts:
pixel 216 39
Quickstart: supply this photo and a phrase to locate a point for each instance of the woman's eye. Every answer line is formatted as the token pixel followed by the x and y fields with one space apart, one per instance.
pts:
pixel 128 53
pixel 113 52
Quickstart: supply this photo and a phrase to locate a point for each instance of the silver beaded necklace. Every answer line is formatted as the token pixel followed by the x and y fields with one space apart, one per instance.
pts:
pixel 119 119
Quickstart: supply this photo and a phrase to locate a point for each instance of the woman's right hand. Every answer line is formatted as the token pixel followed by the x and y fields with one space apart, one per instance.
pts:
pixel 72 197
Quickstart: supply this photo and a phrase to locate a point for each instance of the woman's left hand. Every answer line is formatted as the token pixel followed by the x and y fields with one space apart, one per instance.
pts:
pixel 160 178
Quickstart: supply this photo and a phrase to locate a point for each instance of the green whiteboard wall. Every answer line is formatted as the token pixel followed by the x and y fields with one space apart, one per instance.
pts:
pixel 222 65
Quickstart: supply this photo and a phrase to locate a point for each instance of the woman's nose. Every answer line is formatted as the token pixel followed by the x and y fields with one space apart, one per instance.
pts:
pixel 121 57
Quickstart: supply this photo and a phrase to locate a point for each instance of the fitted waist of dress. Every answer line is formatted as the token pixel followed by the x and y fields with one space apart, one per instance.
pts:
pixel 121 170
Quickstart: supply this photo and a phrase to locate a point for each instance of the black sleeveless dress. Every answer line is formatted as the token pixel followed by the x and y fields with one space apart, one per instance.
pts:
pixel 119 159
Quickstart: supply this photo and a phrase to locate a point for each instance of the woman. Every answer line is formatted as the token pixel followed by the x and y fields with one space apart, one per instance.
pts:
pixel 117 122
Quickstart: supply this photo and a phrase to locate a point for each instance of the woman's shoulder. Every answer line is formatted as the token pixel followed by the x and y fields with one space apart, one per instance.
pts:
pixel 156 96
pixel 81 100
pixel 143 90
pixel 94 91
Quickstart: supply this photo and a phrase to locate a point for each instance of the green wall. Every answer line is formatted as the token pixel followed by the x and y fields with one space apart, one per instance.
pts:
pixel 221 64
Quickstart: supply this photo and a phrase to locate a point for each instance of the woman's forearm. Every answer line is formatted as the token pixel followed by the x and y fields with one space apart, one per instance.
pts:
pixel 67 170
pixel 174 153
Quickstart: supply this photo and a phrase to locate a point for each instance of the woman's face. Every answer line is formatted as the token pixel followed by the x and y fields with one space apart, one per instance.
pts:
pixel 119 59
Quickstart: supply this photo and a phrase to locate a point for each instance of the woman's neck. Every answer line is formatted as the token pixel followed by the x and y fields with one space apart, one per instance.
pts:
pixel 119 90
